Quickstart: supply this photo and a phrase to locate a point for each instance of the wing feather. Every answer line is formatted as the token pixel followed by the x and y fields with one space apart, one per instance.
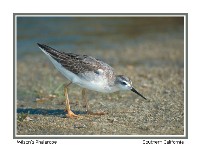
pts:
pixel 78 64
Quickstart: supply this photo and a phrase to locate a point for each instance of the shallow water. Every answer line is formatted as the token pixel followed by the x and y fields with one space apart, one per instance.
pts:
pixel 91 33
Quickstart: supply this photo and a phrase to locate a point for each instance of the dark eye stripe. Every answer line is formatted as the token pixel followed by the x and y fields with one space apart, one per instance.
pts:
pixel 124 83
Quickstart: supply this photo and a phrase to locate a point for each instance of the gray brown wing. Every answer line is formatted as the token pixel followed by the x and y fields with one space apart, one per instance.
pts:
pixel 78 63
pixel 82 63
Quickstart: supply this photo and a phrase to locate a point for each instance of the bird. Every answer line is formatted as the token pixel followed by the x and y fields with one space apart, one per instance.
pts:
pixel 88 73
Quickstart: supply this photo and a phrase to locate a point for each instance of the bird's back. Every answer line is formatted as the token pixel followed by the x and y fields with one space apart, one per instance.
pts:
pixel 81 65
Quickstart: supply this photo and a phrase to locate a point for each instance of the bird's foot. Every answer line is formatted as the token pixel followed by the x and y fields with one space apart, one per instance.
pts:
pixel 96 113
pixel 70 114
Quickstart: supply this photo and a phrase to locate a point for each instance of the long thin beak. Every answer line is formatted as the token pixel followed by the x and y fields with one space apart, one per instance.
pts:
pixel 138 93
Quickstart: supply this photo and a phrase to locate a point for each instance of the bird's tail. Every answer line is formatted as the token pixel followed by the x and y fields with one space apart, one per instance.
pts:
pixel 49 51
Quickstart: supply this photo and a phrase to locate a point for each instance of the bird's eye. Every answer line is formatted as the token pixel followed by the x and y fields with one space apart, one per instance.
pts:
pixel 123 83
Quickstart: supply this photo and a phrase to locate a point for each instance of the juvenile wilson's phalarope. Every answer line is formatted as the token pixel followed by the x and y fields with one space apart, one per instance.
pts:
pixel 87 72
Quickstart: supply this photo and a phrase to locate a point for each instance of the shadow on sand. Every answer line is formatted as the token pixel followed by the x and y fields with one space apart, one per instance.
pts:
pixel 55 112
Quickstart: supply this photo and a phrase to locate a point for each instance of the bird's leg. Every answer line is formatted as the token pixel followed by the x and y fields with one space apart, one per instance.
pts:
pixel 69 112
pixel 86 105
pixel 84 98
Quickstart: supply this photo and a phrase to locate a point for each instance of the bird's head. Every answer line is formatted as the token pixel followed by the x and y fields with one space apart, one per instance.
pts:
pixel 124 83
